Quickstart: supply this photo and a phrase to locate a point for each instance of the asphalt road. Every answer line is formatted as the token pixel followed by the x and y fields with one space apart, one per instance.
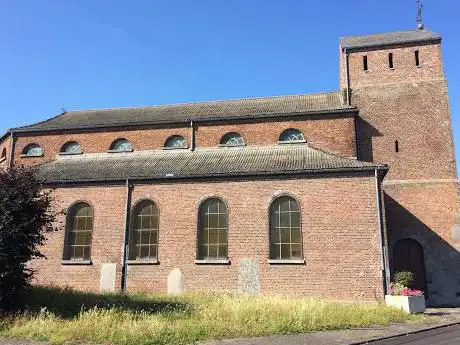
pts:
pixel 441 336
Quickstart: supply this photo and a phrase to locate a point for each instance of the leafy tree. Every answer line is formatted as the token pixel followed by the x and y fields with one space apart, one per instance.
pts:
pixel 26 216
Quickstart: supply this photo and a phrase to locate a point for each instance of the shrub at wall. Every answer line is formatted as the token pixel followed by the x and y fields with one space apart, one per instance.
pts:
pixel 25 217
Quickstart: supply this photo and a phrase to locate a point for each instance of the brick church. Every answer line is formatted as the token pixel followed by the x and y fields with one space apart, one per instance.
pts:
pixel 315 194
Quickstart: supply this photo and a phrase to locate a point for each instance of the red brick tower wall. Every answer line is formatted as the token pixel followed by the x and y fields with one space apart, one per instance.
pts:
pixel 404 121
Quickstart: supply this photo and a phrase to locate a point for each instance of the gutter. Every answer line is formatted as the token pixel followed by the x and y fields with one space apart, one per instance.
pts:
pixel 124 267
pixel 381 230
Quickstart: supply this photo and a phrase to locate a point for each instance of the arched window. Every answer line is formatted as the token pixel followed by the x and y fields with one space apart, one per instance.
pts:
pixel 175 142
pixel 79 230
pixel 33 150
pixel 143 237
pixel 3 154
pixel 121 145
pixel 71 147
pixel 292 135
pixel 285 229
pixel 232 139
pixel 212 230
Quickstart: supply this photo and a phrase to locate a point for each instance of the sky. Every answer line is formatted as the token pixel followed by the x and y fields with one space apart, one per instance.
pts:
pixel 86 54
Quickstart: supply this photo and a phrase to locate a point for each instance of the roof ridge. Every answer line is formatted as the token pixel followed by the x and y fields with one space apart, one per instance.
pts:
pixel 389 32
pixel 209 101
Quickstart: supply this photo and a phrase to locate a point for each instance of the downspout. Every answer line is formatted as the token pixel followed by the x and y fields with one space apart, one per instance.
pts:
pixel 383 261
pixel 192 136
pixel 357 153
pixel 347 77
pixel 124 267
pixel 10 163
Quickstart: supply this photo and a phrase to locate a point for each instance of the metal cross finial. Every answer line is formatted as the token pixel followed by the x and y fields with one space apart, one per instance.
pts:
pixel 419 14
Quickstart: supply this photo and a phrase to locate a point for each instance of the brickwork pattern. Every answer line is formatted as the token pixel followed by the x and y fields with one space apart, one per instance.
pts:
pixel 409 104
pixel 342 257
pixel 335 134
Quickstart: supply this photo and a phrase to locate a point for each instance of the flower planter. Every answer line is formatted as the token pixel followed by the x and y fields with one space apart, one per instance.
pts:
pixel 410 304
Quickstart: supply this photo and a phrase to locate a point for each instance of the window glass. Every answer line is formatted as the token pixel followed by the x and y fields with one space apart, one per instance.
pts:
pixel 143 237
pixel 176 141
pixel 33 150
pixel 212 230
pixel 292 135
pixel 232 139
pixel 79 230
pixel 71 147
pixel 121 145
pixel 285 229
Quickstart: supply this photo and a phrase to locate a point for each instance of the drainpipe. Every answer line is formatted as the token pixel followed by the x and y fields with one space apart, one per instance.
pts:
pixel 192 136
pixel 124 268
pixel 10 163
pixel 383 261
pixel 347 76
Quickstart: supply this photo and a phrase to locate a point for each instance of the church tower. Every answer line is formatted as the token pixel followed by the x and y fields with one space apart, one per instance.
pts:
pixel 397 82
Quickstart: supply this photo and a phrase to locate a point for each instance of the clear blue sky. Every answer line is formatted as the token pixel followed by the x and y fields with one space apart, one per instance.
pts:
pixel 106 53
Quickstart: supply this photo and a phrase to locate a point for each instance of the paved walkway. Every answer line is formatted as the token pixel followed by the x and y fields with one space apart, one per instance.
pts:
pixel 436 317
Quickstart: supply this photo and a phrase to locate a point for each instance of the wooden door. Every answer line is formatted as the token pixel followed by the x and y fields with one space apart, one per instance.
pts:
pixel 408 256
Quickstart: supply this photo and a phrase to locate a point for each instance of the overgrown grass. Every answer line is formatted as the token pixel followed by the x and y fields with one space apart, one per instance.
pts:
pixel 69 316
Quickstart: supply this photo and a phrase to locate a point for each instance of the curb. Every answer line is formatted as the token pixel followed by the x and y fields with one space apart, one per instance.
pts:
pixel 405 334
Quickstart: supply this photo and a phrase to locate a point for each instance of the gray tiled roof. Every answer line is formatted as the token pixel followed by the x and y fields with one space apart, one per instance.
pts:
pixel 203 162
pixel 237 108
pixel 389 38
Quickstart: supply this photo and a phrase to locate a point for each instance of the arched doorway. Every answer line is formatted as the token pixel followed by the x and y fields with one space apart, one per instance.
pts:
pixel 408 256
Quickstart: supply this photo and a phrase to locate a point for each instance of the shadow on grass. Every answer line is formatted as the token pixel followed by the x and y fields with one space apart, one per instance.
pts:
pixel 67 303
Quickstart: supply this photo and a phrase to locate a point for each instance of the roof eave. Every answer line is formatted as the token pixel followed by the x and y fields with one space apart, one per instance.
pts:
pixel 350 110
pixel 386 45
pixel 382 168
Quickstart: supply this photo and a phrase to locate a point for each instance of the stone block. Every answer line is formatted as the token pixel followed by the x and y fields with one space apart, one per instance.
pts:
pixel 108 276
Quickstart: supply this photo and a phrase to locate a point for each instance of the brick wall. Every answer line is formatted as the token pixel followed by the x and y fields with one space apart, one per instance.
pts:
pixel 410 104
pixel 426 212
pixel 339 224
pixel 333 133
pixel 404 65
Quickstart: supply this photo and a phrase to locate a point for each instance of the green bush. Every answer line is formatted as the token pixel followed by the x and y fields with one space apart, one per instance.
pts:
pixel 25 217
pixel 404 278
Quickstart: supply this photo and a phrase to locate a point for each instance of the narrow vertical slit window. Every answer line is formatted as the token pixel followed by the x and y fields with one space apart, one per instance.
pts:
pixel 365 65
pixel 390 60
pixel 396 146
pixel 417 58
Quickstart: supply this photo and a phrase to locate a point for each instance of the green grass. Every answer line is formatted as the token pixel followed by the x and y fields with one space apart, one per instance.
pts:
pixel 67 316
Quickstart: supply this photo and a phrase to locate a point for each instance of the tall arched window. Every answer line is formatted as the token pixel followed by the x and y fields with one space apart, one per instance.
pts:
pixel 143 237
pixel 232 139
pixel 3 154
pixel 212 230
pixel 121 145
pixel 292 135
pixel 71 147
pixel 285 229
pixel 176 142
pixel 79 230
pixel 32 150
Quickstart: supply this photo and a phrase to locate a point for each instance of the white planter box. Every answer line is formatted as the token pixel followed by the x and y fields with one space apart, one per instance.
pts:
pixel 410 304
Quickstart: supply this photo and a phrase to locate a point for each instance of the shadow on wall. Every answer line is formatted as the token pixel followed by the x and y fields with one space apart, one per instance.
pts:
pixel 366 133
pixel 68 303
pixel 441 260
